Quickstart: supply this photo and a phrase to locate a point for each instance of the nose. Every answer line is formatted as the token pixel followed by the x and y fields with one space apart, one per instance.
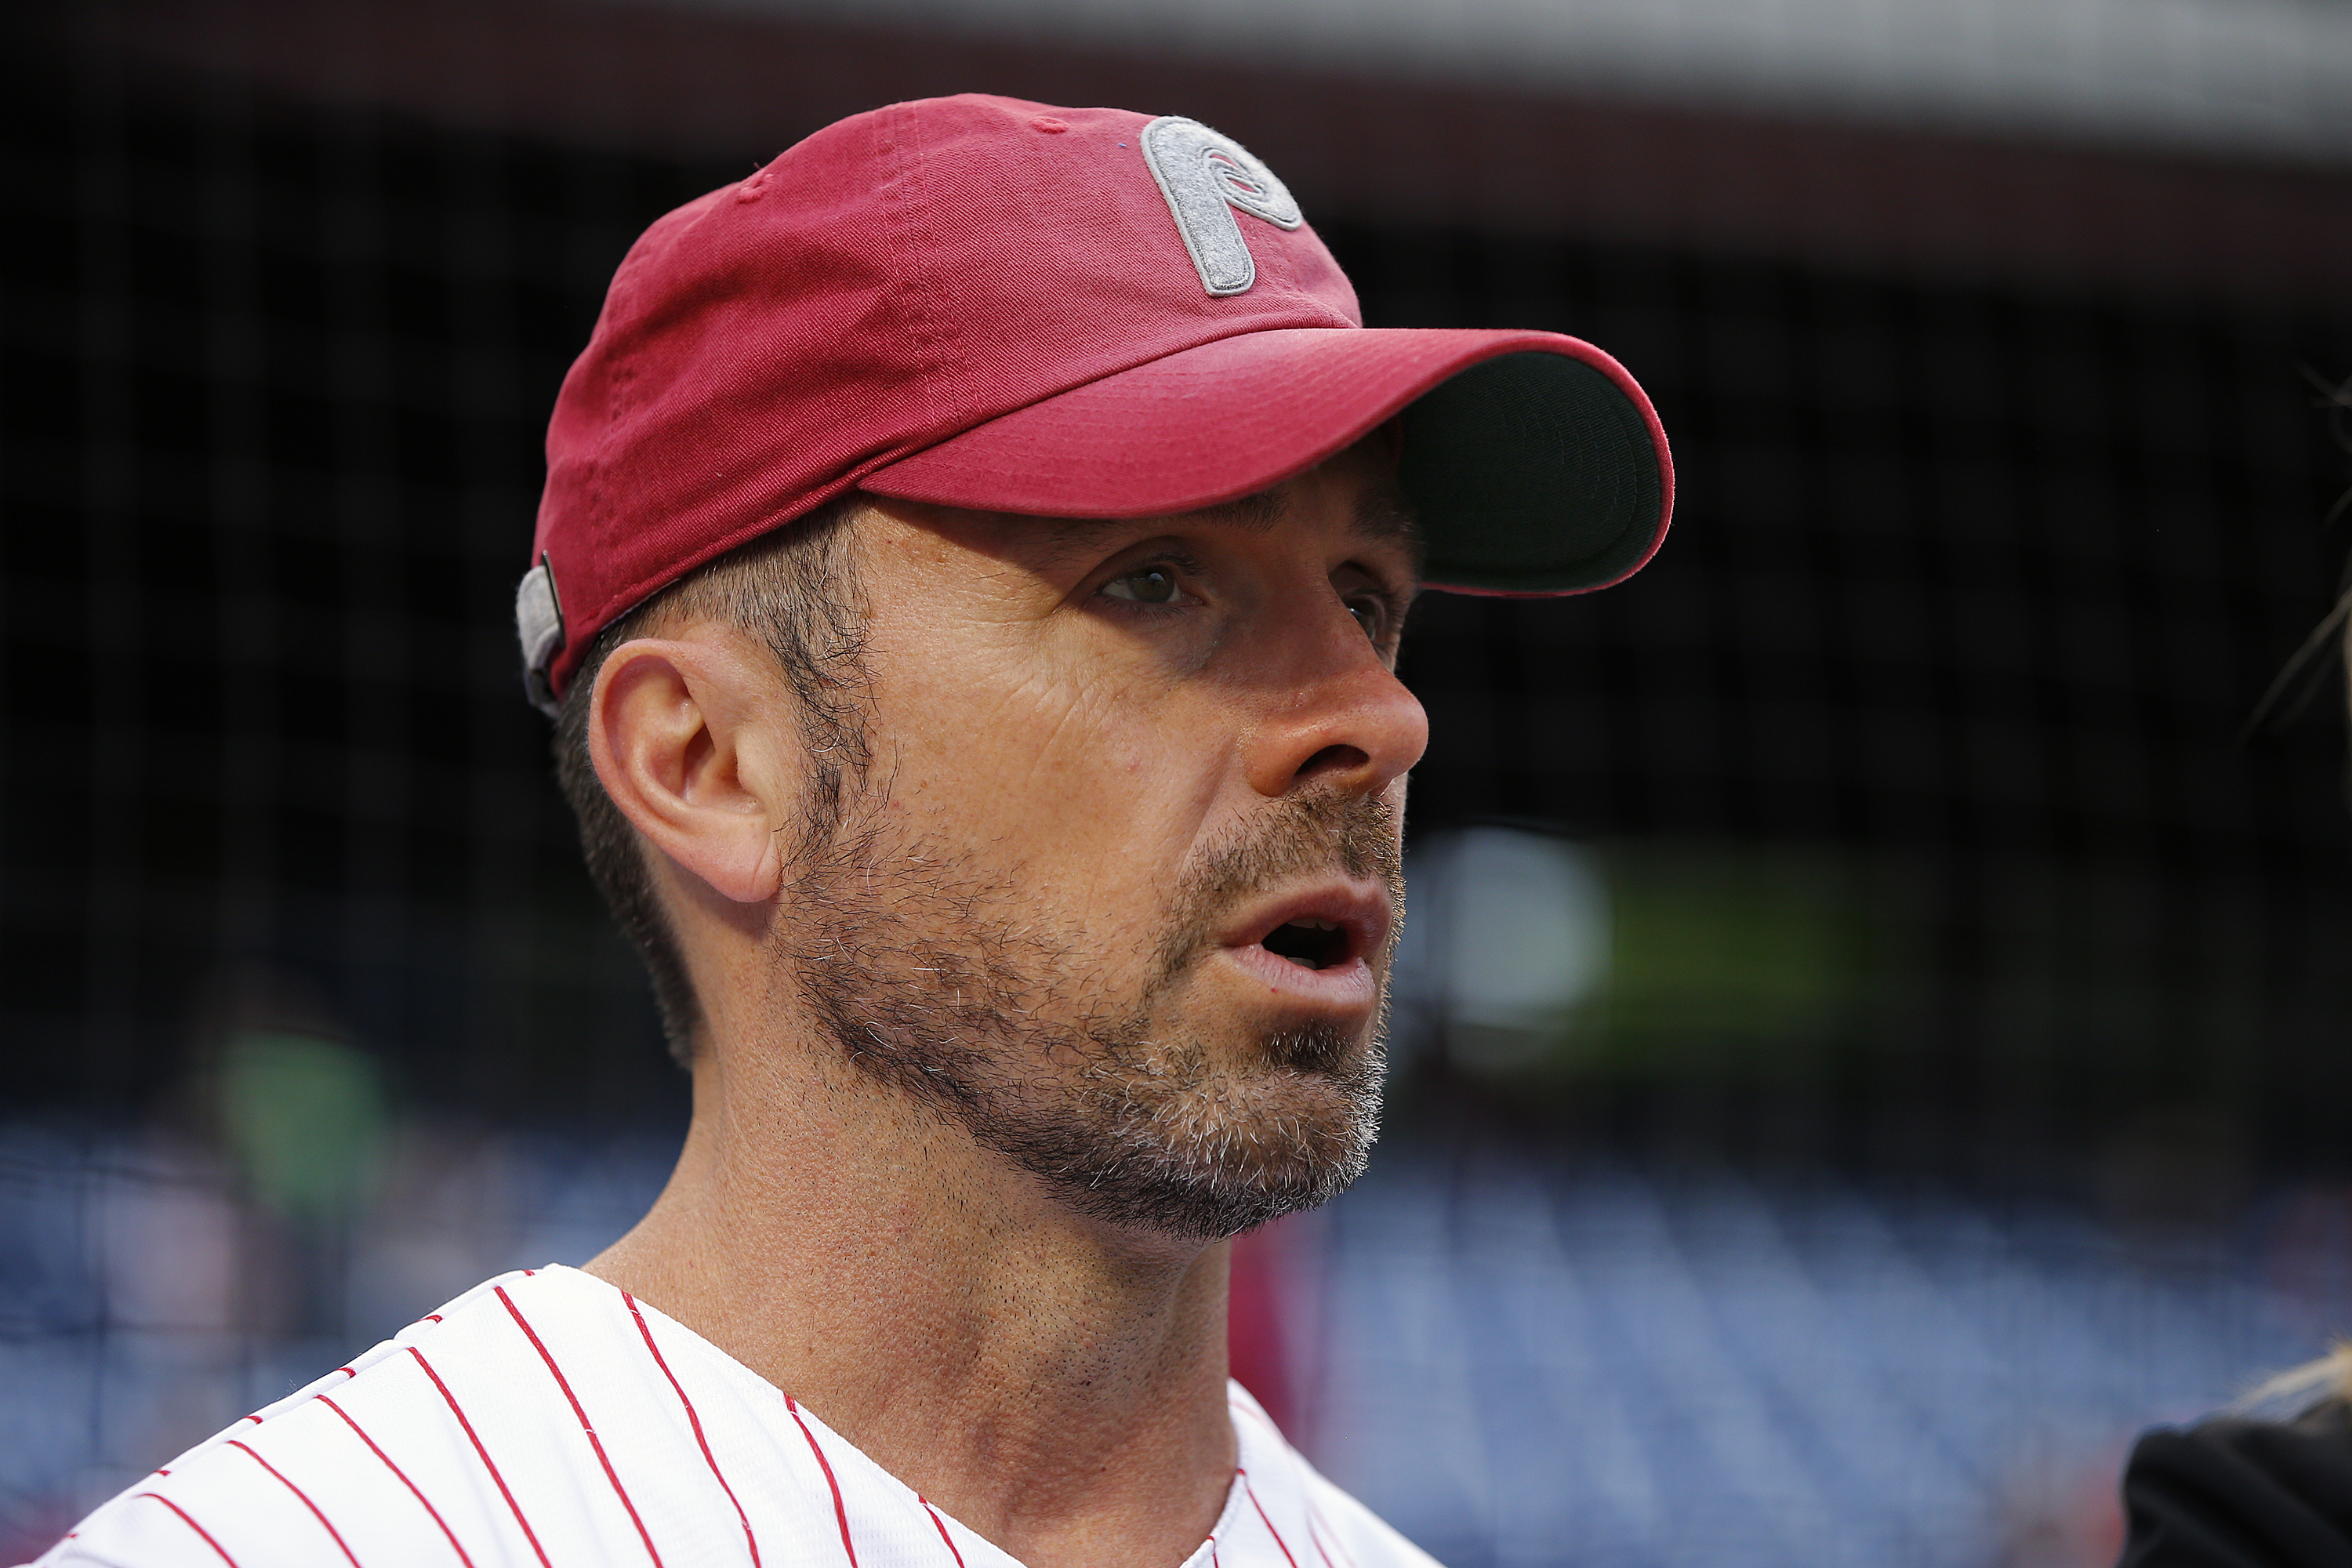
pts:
pixel 1341 719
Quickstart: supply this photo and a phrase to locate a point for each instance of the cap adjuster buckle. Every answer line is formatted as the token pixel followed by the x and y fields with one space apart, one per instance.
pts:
pixel 539 626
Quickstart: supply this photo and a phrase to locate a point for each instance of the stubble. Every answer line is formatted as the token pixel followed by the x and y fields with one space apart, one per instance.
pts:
pixel 948 984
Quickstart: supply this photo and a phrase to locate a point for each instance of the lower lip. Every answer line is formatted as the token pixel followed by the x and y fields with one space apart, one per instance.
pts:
pixel 1347 984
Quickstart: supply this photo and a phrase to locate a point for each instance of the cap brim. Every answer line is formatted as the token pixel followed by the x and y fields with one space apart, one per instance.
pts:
pixel 1534 461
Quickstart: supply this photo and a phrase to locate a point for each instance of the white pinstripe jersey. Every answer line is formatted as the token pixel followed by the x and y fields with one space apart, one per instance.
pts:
pixel 546 1419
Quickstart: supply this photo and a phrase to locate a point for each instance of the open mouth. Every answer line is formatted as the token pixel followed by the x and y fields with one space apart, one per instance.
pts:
pixel 1310 943
pixel 1335 931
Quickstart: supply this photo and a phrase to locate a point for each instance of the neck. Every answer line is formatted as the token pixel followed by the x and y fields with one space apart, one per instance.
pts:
pixel 1056 1385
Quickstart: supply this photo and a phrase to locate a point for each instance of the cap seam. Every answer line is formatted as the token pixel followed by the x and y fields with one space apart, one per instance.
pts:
pixel 626 311
pixel 913 282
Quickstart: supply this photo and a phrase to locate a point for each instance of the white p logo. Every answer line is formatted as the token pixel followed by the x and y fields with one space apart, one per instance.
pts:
pixel 1204 177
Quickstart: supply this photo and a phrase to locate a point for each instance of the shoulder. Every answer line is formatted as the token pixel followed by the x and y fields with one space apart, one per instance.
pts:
pixel 448 1442
pixel 542 1417
pixel 1312 1523
pixel 2231 1492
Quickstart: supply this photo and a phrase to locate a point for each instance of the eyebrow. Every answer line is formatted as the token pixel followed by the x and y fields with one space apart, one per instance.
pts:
pixel 1385 518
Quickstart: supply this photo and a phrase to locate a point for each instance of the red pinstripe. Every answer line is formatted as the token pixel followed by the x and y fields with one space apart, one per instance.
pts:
pixel 192 1524
pixel 1251 1492
pixel 942 1526
pixel 1322 1526
pixel 1318 1527
pixel 513 1507
pixel 1316 1535
pixel 396 1470
pixel 696 1422
pixel 585 1425
pixel 315 1512
pixel 840 1514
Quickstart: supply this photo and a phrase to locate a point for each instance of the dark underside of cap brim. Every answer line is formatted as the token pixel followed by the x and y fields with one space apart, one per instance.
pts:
pixel 1533 473
pixel 1533 468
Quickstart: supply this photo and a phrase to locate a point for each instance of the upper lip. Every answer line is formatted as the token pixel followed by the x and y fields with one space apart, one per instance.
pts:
pixel 1360 910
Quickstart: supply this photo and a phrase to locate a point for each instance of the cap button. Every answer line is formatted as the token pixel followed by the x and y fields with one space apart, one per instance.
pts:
pixel 1049 125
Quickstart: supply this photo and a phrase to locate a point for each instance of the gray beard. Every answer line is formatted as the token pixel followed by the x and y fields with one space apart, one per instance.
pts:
pixel 945 991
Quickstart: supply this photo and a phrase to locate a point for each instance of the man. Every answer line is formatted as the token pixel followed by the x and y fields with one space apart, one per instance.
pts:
pixel 968 589
pixel 2238 1490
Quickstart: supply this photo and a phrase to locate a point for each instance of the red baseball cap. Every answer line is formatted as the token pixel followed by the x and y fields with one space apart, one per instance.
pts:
pixel 1065 312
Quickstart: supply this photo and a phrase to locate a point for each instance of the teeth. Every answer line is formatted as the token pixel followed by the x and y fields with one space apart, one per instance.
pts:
pixel 1302 963
pixel 1317 925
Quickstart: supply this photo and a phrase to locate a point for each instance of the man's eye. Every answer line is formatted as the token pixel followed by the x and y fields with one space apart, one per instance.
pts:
pixel 1144 585
pixel 1369 614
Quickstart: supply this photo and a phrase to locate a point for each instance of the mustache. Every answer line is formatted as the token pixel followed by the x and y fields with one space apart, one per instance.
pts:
pixel 1317 830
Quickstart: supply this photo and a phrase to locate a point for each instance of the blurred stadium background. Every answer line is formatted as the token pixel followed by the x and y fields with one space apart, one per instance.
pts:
pixel 1874 1035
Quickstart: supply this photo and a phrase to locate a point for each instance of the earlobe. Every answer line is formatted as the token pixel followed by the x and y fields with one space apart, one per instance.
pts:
pixel 682 735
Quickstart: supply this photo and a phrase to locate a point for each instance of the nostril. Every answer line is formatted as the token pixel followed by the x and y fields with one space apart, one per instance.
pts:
pixel 1333 760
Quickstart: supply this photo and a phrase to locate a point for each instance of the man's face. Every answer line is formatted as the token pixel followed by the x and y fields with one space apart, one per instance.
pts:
pixel 1120 890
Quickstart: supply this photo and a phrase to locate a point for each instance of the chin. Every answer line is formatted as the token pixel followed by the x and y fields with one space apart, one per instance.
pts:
pixel 1208 1154
pixel 1172 1194
pixel 1180 1114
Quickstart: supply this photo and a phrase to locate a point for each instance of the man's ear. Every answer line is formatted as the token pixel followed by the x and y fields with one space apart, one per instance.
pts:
pixel 688 736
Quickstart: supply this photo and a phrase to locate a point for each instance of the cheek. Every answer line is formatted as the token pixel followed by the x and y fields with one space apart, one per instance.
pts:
pixel 1098 794
pixel 1108 781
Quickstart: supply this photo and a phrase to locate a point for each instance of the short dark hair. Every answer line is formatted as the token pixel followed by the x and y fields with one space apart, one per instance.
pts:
pixel 797 590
